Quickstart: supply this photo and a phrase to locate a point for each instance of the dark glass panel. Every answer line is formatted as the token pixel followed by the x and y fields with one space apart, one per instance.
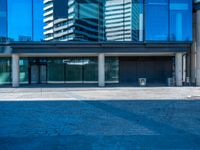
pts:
pixel 74 70
pixel 112 69
pixel 20 20
pixel 24 64
pixel 3 19
pixel 157 20
pixel 90 69
pixel 5 70
pixel 55 70
pixel 180 20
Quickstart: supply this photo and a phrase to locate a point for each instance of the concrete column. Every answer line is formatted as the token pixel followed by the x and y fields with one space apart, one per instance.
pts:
pixel 15 70
pixel 179 69
pixel 101 70
pixel 198 48
pixel 193 52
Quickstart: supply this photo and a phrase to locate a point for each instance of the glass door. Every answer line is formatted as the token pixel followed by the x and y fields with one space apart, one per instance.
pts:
pixel 34 74
pixel 38 74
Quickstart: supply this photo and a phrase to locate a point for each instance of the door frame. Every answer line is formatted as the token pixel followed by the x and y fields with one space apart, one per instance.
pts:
pixel 39 71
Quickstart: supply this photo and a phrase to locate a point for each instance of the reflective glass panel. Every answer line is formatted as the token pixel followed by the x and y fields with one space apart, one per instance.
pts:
pixel 55 70
pixel 157 20
pixel 5 70
pixel 90 69
pixel 112 69
pixel 124 20
pixel 20 20
pixel 38 23
pixel 180 20
pixel 73 70
pixel 24 64
pixel 3 19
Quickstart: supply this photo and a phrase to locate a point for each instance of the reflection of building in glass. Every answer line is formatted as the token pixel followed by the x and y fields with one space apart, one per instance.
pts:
pixel 82 20
pixel 21 20
pixel 124 20
pixel 48 19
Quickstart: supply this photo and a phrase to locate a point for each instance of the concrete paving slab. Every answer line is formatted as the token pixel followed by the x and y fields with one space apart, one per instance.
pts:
pixel 95 93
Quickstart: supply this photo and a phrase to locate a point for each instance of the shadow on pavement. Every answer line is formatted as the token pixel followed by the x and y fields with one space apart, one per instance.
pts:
pixel 143 124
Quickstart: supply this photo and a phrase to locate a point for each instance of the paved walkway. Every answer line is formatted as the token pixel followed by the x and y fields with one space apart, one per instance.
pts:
pixel 148 118
pixel 100 125
pixel 94 93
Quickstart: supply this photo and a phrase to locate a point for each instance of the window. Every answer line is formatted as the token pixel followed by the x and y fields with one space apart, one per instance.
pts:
pixel 38 23
pixel 180 20
pixel 24 64
pixel 157 20
pixel 55 71
pixel 20 20
pixel 90 69
pixel 3 19
pixel 112 69
pixel 5 71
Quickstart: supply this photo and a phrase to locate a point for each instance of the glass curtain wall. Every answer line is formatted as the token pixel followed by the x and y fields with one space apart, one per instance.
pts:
pixel 3 20
pixel 5 71
pixel 96 20
pixel 157 18
pixel 24 65
pixel 38 23
pixel 20 20
pixel 55 70
pixel 90 70
pixel 24 20
pixel 72 70
pixel 112 70
pixel 168 20
pixel 124 20
pixel 180 20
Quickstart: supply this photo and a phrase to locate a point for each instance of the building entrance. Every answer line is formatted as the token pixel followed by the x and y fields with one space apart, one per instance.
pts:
pixel 38 72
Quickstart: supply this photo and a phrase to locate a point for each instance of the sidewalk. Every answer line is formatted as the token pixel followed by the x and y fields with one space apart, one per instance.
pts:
pixel 95 93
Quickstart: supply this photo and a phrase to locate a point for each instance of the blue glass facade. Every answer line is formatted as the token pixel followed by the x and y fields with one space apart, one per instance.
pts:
pixel 97 20
pixel 180 20
pixel 157 19
pixel 168 20
pixel 20 20
pixel 3 18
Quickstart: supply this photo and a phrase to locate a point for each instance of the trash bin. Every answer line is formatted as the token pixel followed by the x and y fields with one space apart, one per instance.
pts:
pixel 142 81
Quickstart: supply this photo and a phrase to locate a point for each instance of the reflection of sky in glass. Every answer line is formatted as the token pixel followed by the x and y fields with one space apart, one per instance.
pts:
pixel 179 25
pixel 3 18
pixel 181 20
pixel 25 19
pixel 19 19
pixel 157 20
pixel 38 20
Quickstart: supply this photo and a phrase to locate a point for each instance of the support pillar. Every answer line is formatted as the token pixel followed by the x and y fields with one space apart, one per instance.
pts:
pixel 179 69
pixel 15 70
pixel 198 47
pixel 101 70
pixel 193 52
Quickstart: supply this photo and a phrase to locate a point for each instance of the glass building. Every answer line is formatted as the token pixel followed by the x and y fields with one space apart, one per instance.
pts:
pixel 96 20
pixel 74 41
